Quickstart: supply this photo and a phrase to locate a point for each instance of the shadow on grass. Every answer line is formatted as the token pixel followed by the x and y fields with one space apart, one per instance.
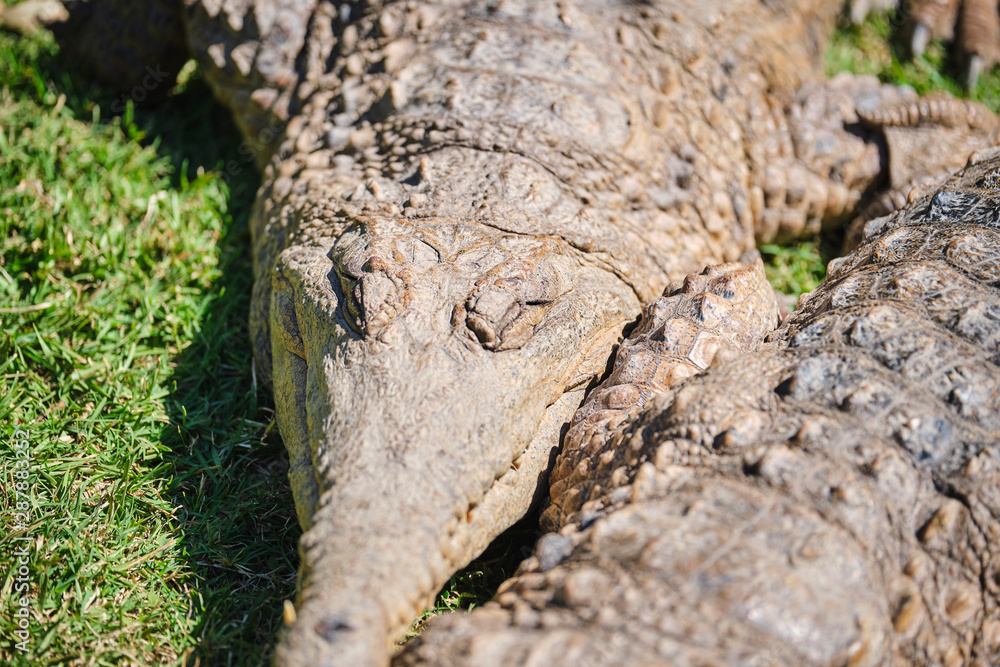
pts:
pixel 234 503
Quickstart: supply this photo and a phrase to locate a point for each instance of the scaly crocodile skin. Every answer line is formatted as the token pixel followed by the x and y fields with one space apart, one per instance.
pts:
pixel 828 499
pixel 723 311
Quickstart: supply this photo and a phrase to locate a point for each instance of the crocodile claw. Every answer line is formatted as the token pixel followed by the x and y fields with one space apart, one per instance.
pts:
pixel 920 38
pixel 973 70
pixel 972 25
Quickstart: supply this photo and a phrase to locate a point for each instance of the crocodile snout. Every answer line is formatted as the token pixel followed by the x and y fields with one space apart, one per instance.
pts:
pixel 413 442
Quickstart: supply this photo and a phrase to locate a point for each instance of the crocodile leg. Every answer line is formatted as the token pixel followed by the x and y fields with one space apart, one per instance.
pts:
pixel 932 19
pixel 913 132
pixel 137 47
pixel 828 499
pixel 975 25
pixel 978 37
pixel 843 151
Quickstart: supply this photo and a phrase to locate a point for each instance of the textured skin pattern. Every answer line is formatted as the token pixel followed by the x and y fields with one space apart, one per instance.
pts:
pixel 253 56
pixel 913 129
pixel 722 312
pixel 829 499
pixel 461 227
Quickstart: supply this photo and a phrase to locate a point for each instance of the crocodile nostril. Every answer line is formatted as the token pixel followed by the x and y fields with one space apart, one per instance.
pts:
pixel 332 629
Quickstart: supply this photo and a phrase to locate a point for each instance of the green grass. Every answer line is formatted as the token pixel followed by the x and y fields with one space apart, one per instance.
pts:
pixel 161 524
pixel 475 585
pixel 876 47
pixel 796 268
pixel 162 528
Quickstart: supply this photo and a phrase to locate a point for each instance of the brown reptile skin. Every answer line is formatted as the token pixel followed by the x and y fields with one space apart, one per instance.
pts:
pixel 722 312
pixel 831 498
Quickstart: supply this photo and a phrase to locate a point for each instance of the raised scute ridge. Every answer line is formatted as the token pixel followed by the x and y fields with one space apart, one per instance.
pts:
pixel 724 311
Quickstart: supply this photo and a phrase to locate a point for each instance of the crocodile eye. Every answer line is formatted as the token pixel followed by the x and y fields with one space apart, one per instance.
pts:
pixel 503 313
pixel 501 319
pixel 373 298
pixel 351 305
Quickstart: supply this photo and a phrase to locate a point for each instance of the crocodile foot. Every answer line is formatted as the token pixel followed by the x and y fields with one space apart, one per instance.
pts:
pixel 974 25
pixel 150 46
pixel 27 17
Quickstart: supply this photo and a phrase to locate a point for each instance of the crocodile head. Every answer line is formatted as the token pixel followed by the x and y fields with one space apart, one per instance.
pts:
pixel 421 378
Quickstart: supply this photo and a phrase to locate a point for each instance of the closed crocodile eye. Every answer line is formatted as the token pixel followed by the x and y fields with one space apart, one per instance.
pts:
pixel 351 303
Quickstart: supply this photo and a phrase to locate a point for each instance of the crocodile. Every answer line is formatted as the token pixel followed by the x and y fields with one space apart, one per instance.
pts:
pixel 821 495
pixel 465 204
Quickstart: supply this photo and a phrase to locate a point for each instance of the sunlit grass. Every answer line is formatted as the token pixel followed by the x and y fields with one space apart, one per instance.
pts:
pixel 161 527
pixel 876 47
